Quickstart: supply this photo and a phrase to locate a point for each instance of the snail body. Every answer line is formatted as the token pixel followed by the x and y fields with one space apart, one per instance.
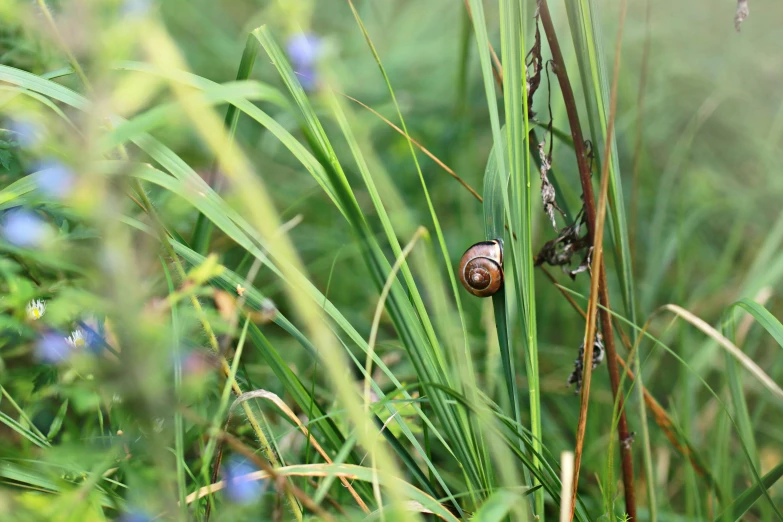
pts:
pixel 481 268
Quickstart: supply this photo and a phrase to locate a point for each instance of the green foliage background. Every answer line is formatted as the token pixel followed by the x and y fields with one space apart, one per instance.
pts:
pixel 317 197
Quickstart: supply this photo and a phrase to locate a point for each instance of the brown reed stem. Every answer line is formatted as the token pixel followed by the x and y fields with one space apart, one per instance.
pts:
pixel 603 293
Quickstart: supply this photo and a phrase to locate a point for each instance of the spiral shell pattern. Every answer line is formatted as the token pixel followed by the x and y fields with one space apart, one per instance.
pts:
pixel 481 268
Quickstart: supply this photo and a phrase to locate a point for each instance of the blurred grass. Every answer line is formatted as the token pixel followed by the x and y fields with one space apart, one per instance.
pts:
pixel 708 236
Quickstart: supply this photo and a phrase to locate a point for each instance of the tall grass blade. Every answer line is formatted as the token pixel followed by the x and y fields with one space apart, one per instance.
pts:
pixel 463 376
pixel 203 229
pixel 767 321
pixel 494 219
pixel 593 73
pixel 747 498
pixel 411 319
pixel 511 160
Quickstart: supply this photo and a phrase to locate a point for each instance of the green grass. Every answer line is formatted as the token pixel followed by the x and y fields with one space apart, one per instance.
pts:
pixel 270 269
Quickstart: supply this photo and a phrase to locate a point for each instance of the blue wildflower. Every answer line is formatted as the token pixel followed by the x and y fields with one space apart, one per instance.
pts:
pixel 239 488
pixel 52 348
pixel 24 228
pixel 307 78
pixel 304 49
pixel 27 132
pixel 55 179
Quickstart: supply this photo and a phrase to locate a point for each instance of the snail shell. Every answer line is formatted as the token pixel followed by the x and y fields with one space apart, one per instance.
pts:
pixel 481 268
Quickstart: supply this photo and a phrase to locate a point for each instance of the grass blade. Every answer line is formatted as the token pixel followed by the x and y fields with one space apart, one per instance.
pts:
pixel 203 229
pixel 747 498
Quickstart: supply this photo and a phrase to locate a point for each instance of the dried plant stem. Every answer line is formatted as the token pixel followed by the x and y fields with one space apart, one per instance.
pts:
pixel 263 465
pixel 282 406
pixel 420 147
pixel 566 475
pixel 598 287
pixel 47 13
pixel 661 417
pixel 497 68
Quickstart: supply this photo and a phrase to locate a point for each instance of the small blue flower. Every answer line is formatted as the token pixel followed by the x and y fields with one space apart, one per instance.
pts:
pixel 307 78
pixel 55 179
pixel 52 348
pixel 24 228
pixel 95 343
pixel 304 49
pixel 241 489
pixel 27 132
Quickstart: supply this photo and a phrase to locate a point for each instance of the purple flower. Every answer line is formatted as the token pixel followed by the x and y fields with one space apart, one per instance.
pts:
pixel 24 228
pixel 52 348
pixel 304 50
pixel 27 132
pixel 55 179
pixel 239 488
pixel 307 78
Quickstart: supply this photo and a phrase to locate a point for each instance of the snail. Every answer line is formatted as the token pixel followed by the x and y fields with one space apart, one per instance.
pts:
pixel 481 268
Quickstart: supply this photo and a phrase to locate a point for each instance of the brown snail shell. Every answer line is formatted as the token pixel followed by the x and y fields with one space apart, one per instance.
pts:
pixel 481 268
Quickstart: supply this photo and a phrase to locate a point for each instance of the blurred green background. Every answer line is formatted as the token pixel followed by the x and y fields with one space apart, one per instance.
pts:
pixel 700 144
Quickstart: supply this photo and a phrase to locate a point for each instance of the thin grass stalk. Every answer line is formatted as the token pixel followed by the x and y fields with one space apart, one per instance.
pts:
pixel 179 428
pixel 652 502
pixel 597 113
pixel 420 147
pixel 512 39
pixel 474 452
pixel 492 219
pixel 617 386
pixel 587 42
pixel 376 320
pixel 737 355
pixel 77 68
pixel 599 289
pixel 202 232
